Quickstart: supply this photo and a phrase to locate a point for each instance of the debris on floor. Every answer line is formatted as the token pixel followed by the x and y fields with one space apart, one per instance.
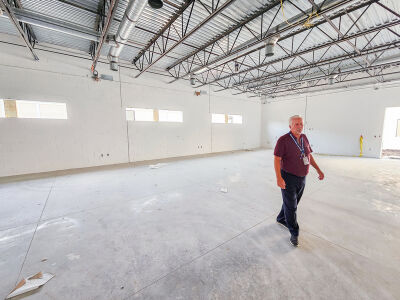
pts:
pixel 156 166
pixel 73 256
pixel 224 189
pixel 30 284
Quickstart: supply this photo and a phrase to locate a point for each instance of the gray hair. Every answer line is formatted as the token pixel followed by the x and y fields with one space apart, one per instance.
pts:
pixel 294 117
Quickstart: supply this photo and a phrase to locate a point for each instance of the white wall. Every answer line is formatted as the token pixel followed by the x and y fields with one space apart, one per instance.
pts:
pixel 226 137
pixel 96 116
pixel 275 119
pixel 334 121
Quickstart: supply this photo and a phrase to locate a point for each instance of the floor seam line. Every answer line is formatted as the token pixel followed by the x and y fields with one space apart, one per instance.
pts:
pixel 198 257
pixel 348 250
pixel 34 233
pixel 109 205
pixel 97 207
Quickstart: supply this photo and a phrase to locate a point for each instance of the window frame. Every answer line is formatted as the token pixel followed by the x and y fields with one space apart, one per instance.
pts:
pixel 137 109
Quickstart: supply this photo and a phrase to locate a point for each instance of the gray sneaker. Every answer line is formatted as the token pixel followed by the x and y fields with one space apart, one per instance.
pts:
pixel 294 240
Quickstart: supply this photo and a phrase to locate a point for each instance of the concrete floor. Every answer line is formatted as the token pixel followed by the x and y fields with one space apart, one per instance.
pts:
pixel 170 233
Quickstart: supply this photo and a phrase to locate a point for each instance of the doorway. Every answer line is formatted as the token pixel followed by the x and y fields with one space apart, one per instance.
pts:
pixel 391 133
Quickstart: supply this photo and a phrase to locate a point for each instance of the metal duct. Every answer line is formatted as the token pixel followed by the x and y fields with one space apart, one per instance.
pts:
pixel 270 45
pixel 131 16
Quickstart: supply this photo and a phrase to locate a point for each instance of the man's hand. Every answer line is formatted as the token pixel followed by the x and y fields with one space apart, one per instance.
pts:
pixel 277 165
pixel 321 175
pixel 281 183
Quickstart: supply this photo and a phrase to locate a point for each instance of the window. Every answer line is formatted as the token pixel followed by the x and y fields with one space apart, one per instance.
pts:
pixel 32 109
pixel 170 116
pixel 27 109
pixel 235 119
pixel 225 118
pixel 41 110
pixel 153 115
pixel 52 110
pixel 140 114
pixel 218 118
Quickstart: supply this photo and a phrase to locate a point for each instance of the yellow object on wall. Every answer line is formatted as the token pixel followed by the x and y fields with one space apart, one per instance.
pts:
pixel 156 116
pixel 10 108
pixel 361 144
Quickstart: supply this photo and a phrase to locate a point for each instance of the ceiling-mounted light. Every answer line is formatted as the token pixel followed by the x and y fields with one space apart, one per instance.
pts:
pixel 236 67
pixel 156 4
pixel 192 80
pixel 332 78
pixel 270 45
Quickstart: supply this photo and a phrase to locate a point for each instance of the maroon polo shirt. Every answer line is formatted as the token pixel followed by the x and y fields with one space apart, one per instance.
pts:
pixel 287 150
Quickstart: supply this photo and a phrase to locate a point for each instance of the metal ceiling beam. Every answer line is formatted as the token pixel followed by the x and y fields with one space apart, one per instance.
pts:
pixel 29 17
pixel 80 7
pixel 324 86
pixel 44 21
pixel 252 45
pixel 334 27
pixel 185 36
pixel 296 89
pixel 9 11
pixel 293 55
pixel 105 25
pixel 250 18
pixel 320 47
pixel 29 29
pixel 161 32
pixel 100 21
pixel 340 34
pixel 329 61
pixel 388 9
pixel 34 18
pixel 342 73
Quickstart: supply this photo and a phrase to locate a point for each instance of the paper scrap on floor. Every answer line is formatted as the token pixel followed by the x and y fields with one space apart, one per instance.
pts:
pixel 156 166
pixel 30 284
pixel 224 190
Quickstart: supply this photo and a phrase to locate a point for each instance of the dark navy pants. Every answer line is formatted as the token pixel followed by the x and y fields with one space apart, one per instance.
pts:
pixel 291 197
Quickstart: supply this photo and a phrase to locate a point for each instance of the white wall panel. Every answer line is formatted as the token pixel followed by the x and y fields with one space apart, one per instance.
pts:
pixel 275 119
pixel 227 137
pixel 335 121
pixel 96 124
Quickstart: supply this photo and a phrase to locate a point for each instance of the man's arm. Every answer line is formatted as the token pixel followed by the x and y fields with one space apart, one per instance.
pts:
pixel 314 164
pixel 277 165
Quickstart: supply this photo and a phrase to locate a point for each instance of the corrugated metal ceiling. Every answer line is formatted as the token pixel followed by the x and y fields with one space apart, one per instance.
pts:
pixel 85 13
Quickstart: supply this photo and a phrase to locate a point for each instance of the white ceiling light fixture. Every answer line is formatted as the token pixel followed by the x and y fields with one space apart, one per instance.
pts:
pixel 192 80
pixel 270 45
pixel 236 67
pixel 332 78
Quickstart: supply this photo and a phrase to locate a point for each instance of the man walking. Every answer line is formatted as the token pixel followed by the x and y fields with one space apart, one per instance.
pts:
pixel 292 159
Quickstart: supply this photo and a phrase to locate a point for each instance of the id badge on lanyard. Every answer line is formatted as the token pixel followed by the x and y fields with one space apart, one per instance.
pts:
pixel 303 155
